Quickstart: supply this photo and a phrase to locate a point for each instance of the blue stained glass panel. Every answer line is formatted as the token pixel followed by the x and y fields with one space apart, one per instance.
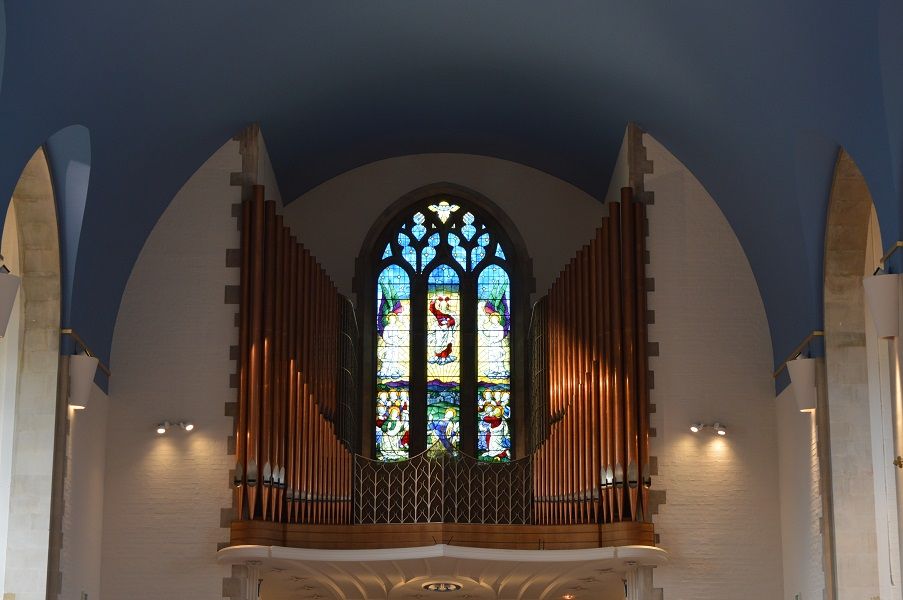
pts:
pixel 477 254
pixel 393 364
pixel 483 240
pixel 460 255
pixel 427 255
pixel 388 251
pixel 418 229
pixel 468 230
pixel 410 255
pixel 493 365
pixel 499 252
pixel 403 240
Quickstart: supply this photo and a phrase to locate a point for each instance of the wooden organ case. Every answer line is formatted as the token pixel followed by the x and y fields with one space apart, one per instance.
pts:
pixel 300 479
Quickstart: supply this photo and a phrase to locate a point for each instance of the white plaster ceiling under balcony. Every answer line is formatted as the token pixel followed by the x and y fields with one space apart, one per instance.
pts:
pixel 483 574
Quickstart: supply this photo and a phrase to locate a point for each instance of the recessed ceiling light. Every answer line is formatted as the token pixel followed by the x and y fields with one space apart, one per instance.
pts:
pixel 442 586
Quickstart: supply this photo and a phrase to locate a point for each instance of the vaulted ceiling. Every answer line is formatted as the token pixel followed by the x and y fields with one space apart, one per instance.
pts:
pixel 754 97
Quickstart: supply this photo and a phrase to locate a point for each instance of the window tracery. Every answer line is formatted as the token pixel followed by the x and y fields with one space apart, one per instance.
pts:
pixel 443 276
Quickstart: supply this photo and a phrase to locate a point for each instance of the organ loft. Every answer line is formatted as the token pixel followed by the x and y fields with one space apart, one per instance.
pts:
pixel 439 407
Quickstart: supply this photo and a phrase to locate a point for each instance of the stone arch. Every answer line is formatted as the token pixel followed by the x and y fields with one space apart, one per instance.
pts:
pixel 35 426
pixel 852 246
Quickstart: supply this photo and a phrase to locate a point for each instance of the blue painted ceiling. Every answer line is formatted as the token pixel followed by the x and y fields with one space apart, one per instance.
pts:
pixel 754 96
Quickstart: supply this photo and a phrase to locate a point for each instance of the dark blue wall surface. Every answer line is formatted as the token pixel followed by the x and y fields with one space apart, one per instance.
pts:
pixel 753 96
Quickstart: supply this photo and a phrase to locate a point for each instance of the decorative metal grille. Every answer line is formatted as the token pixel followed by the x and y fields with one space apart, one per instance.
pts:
pixel 437 487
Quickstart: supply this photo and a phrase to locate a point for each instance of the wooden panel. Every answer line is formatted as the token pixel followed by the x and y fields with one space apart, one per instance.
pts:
pixel 519 537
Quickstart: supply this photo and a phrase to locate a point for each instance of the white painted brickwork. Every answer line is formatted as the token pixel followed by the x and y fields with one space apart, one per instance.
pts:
pixel 721 521
pixel 801 509
pixel 171 360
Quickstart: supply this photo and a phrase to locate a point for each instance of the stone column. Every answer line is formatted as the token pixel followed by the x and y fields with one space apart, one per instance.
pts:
pixel 244 583
pixel 639 584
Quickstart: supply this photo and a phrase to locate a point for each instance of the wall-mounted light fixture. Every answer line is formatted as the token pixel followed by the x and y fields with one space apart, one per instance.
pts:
pixel 803 382
pixel 82 368
pixel 167 425
pixel 882 294
pixel 716 427
pixel 9 286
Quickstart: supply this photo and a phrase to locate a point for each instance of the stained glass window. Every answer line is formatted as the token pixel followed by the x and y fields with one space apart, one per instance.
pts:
pixel 493 364
pixel 393 364
pixel 443 367
pixel 439 258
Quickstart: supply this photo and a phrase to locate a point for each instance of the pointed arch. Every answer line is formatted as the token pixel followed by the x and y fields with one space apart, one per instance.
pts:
pixel 444 242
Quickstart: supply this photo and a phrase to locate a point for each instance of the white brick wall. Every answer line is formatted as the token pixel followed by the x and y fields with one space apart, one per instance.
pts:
pixel 721 522
pixel 170 360
pixel 801 509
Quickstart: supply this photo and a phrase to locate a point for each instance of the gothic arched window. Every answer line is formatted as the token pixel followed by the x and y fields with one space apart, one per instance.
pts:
pixel 443 340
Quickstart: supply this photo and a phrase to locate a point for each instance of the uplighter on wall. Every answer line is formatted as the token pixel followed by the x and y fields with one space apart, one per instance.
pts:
pixel 82 369
pixel 802 383
pixel 882 294
pixel 9 286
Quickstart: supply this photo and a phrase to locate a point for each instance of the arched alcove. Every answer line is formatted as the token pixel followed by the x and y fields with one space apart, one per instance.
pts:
pixel 35 415
pixel 862 506
pixel 69 156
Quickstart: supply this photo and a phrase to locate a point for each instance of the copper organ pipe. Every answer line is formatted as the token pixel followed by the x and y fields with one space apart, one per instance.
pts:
pixel 574 409
pixel 605 406
pixel 586 334
pixel 603 334
pixel 573 461
pixel 255 355
pixel 291 485
pixel 595 397
pixel 241 429
pixel 286 369
pixel 629 327
pixel 275 436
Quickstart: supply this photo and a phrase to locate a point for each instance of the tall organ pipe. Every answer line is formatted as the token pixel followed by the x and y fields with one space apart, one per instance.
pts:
pixel 593 464
pixel 291 465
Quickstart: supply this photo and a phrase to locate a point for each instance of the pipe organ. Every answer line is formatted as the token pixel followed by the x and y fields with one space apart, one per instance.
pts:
pixel 591 423
pixel 291 463
pixel 299 463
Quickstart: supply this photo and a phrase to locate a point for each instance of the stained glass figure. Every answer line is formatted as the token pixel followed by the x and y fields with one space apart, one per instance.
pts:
pixel 393 363
pixel 443 367
pixel 443 209
pixel 493 365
